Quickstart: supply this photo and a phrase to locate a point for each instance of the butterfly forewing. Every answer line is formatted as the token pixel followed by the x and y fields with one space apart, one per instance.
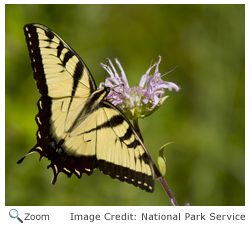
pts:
pixel 78 130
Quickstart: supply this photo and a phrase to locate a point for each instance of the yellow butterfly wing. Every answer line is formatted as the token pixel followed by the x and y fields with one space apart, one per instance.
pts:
pixel 78 130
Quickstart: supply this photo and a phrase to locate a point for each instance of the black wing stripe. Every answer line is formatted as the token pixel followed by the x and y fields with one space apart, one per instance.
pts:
pixel 77 76
pixel 134 144
pixel 49 33
pixel 127 175
pixel 67 56
pixel 36 59
pixel 114 121
pixel 127 135
pixel 78 72
pixel 59 49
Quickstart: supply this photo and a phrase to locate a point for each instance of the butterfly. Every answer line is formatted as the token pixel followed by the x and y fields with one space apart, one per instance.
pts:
pixel 78 129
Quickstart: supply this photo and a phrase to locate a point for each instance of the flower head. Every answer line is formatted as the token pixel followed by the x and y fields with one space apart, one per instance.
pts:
pixel 141 100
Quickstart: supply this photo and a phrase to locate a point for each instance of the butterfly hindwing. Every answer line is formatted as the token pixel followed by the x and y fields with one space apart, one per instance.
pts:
pixel 78 131
pixel 125 158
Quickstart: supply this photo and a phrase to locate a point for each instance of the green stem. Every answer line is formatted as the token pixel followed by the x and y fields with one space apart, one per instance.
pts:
pixel 156 170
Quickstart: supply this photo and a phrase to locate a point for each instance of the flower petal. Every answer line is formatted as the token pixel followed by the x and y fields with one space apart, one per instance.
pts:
pixel 124 78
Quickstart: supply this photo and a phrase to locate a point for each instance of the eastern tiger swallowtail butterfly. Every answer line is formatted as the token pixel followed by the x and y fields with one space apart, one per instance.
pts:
pixel 78 129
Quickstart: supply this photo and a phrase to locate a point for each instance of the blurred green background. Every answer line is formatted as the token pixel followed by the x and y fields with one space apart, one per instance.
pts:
pixel 206 118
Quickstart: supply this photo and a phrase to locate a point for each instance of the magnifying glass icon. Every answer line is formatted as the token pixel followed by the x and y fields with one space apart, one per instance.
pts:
pixel 14 214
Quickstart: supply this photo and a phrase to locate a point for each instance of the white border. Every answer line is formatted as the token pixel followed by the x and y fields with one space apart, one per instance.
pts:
pixel 60 215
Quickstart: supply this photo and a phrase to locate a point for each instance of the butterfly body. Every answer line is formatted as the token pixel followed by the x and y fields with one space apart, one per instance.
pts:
pixel 78 129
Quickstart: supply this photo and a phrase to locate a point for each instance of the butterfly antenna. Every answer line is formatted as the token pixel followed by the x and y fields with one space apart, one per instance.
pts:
pixel 116 87
pixel 170 71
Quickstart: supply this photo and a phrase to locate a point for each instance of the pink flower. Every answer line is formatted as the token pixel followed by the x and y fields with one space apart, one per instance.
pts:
pixel 141 100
